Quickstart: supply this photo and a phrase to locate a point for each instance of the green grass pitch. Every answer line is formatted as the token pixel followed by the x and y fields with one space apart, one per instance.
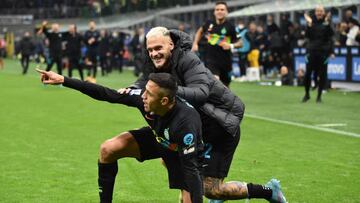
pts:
pixel 50 137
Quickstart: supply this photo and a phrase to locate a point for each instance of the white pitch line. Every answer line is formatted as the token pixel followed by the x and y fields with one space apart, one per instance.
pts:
pixel 304 126
pixel 332 125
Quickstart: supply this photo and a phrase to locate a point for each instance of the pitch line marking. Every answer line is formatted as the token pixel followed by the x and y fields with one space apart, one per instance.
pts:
pixel 339 132
pixel 332 125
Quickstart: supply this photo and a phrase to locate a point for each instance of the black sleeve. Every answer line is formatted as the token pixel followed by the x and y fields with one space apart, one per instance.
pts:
pixel 233 35
pixel 196 80
pixel 187 135
pixel 101 93
pixel 65 36
pixel 46 33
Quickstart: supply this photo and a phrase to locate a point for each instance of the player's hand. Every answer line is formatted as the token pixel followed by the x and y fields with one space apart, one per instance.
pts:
pixel 225 46
pixel 195 47
pixel 308 19
pixel 44 23
pixel 91 40
pixel 328 17
pixel 49 77
pixel 124 90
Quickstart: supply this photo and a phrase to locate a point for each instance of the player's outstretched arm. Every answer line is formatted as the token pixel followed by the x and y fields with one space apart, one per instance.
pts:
pixel 95 91
pixel 49 77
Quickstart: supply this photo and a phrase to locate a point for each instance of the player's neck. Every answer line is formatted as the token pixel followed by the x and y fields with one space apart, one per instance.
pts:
pixel 220 21
pixel 166 109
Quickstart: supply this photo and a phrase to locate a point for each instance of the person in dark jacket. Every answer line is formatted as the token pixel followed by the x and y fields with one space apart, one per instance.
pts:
pixel 104 52
pixel 221 112
pixel 55 45
pixel 117 50
pixel 320 47
pixel 91 40
pixel 26 48
pixel 173 134
pixel 136 47
pixel 73 50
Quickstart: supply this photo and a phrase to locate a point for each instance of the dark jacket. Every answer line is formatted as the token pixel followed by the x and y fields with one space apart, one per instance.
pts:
pixel 320 36
pixel 198 85
pixel 73 44
pixel 26 46
pixel 55 43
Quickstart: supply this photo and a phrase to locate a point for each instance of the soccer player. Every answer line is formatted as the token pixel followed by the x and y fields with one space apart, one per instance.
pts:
pixel 221 112
pixel 173 134
pixel 222 38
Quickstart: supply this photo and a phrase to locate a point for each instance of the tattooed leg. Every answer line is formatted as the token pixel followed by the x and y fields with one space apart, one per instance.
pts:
pixel 215 188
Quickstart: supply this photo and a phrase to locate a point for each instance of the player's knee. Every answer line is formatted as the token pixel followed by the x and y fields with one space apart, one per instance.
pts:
pixel 105 151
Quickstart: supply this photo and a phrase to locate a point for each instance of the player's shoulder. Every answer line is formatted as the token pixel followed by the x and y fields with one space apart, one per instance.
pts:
pixel 187 111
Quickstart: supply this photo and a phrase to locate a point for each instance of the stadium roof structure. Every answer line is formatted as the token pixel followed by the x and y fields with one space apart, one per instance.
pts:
pixel 279 6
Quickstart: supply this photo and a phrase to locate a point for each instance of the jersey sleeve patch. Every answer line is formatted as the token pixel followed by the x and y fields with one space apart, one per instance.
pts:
pixel 188 139
pixel 135 92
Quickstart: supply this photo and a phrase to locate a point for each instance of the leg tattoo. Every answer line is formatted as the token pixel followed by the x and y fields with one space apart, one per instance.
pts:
pixel 215 188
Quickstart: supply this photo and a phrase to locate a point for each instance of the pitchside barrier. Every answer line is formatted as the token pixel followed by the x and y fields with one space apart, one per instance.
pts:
pixel 344 67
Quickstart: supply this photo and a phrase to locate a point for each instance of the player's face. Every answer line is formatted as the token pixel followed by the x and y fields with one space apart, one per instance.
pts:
pixel 92 25
pixel 159 49
pixel 72 29
pixel 320 13
pixel 220 12
pixel 55 27
pixel 151 98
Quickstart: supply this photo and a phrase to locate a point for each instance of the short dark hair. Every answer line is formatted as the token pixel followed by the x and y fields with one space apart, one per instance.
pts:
pixel 222 2
pixel 167 82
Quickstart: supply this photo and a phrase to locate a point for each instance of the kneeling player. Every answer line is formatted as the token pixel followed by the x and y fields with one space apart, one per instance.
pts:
pixel 173 134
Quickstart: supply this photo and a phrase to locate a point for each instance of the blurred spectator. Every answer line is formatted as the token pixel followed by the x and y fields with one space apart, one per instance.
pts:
pixel 319 48
pixel 26 49
pixel 349 15
pixel 254 54
pixel 136 47
pixel 91 40
pixel 117 50
pixel 73 50
pixel 275 42
pixel 263 44
pixel 353 32
pixel 104 52
pixel 300 76
pixel 39 52
pixel 55 45
pixel 2 51
pixel 286 76
pixel 340 34
pixel 242 33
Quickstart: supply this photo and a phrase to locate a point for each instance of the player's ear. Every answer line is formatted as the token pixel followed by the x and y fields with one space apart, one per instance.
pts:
pixel 164 101
pixel 171 43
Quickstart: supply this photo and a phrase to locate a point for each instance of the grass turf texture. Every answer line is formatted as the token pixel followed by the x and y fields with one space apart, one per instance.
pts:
pixel 50 137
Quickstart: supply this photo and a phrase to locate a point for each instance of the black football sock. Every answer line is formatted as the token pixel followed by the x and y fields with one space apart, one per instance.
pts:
pixel 259 191
pixel 106 181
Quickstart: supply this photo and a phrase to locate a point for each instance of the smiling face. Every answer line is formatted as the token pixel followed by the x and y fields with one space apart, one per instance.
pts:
pixel 220 12
pixel 152 98
pixel 319 12
pixel 159 48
